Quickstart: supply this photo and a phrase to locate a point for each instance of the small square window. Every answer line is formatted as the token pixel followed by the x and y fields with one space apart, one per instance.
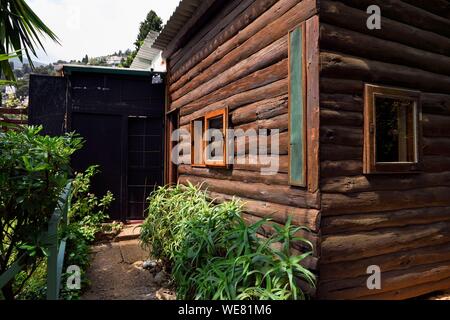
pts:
pixel 392 132
pixel 216 125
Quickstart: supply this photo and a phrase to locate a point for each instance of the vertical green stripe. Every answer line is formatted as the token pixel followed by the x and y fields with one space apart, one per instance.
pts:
pixel 296 108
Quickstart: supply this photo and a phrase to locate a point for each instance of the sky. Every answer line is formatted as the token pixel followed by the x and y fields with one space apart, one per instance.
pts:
pixel 94 27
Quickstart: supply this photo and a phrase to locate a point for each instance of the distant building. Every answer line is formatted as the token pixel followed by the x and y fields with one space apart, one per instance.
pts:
pixel 149 58
pixel 113 61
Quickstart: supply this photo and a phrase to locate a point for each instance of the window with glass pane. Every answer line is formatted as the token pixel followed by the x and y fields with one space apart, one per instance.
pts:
pixel 392 131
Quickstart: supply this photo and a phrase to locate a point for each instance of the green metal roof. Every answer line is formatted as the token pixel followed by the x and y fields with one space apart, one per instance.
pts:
pixel 71 68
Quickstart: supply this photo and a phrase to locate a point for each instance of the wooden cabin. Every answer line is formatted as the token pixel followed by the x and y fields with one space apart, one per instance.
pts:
pixel 364 121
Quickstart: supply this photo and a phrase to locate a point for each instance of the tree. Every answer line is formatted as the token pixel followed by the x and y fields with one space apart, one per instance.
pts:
pixel 85 60
pixel 151 23
pixel 21 30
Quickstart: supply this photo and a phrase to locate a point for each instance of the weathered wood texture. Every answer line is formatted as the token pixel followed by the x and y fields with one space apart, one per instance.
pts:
pixel 398 222
pixel 239 60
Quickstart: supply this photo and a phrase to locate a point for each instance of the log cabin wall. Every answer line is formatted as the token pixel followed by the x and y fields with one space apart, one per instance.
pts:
pixel 400 222
pixel 238 58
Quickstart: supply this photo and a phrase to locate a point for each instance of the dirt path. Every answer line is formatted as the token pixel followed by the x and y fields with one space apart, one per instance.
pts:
pixel 116 273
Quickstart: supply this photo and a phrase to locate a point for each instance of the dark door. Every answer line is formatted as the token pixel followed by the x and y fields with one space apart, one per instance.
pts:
pixel 103 146
pixel 145 162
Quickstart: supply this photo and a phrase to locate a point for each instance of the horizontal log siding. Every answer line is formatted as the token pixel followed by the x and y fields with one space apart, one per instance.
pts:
pixel 245 68
pixel 399 222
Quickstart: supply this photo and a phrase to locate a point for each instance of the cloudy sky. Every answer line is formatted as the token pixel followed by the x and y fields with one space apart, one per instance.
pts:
pixel 94 27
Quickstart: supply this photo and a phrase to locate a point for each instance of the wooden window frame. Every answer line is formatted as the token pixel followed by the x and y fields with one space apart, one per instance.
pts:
pixel 211 115
pixel 371 166
pixel 302 180
pixel 193 164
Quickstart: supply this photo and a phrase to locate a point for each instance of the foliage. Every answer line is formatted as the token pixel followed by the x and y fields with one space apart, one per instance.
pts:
pixel 21 31
pixel 169 210
pixel 33 171
pixel 87 211
pixel 216 255
pixel 151 23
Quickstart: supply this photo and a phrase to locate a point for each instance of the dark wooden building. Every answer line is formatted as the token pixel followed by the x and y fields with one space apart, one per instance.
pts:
pixel 120 115
pixel 364 120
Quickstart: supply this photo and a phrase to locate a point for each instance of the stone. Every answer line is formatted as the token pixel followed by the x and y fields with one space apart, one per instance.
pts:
pixel 149 264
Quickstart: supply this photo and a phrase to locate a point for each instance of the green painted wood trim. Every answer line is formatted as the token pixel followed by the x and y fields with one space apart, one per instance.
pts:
pixel 69 69
pixel 15 268
pixel 297 110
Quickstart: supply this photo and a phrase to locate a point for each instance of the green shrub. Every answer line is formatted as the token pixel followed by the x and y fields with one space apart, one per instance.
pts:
pixel 87 211
pixel 33 171
pixel 216 255
pixel 169 210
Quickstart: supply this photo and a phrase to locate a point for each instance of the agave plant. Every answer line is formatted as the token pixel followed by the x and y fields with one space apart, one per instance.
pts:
pixel 20 32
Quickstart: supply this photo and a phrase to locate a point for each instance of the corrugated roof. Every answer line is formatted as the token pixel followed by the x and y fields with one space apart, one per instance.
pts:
pixel 181 15
pixel 146 53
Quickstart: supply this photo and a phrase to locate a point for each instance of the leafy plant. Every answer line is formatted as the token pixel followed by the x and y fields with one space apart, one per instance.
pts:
pixel 216 255
pixel 87 211
pixel 33 171
pixel 169 210
pixel 21 30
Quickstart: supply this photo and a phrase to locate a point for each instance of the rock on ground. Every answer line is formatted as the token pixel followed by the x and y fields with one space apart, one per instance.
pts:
pixel 116 273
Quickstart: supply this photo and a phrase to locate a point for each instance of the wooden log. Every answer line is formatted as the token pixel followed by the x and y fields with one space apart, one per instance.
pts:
pixel 436 163
pixel 309 218
pixel 436 103
pixel 362 45
pixel 282 139
pixel 265 57
pixel 279 122
pixel 438 7
pixel 270 27
pixel 234 175
pixel 396 261
pixel 342 136
pixel 339 14
pixel 345 118
pixel 342 102
pixel 260 110
pixel 332 152
pixel 357 246
pixel 255 80
pixel 341 86
pixel 413 291
pixel 379 183
pixel 341 168
pixel 195 33
pixel 277 88
pixel 336 204
pixel 388 219
pixel 406 13
pixel 277 194
pixel 196 63
pixel 341 65
pixel 436 146
pixel 393 280
pixel 256 164
pixel 435 126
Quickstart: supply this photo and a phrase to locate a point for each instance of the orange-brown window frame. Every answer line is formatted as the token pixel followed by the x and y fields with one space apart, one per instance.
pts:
pixel 193 152
pixel 371 166
pixel 211 115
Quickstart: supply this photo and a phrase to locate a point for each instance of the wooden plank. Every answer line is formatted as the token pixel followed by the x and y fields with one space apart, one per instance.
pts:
pixel 339 14
pixel 297 106
pixel 313 103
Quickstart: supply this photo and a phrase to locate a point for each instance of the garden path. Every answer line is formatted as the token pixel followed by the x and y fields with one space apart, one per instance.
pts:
pixel 116 272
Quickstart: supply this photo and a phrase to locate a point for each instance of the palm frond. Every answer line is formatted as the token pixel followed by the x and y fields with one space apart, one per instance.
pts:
pixel 21 31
